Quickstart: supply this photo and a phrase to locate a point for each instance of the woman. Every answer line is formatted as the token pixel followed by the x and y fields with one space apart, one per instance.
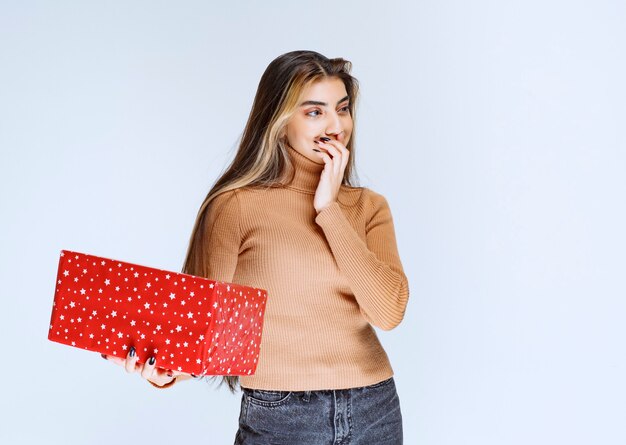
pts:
pixel 286 217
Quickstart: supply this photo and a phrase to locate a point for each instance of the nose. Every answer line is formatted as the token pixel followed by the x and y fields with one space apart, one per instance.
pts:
pixel 334 127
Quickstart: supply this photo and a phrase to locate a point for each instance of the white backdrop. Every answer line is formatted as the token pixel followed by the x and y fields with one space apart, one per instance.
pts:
pixel 494 129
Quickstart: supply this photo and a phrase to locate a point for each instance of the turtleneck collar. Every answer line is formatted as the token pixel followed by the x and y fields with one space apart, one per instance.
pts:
pixel 307 173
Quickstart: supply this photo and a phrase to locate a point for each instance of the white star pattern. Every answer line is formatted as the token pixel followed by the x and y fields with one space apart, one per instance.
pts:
pixel 230 343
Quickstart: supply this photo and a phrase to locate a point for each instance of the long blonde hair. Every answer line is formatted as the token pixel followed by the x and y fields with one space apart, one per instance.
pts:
pixel 262 159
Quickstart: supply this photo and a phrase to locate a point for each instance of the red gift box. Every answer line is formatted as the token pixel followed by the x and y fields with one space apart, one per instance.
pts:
pixel 189 323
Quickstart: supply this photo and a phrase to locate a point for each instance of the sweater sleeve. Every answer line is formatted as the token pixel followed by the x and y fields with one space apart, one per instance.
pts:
pixel 222 237
pixel 373 268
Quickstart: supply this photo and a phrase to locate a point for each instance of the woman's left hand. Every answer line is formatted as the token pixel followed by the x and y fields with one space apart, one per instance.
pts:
pixel 335 155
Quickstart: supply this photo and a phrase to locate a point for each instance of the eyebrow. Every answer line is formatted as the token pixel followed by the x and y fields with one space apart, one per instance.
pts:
pixel 323 104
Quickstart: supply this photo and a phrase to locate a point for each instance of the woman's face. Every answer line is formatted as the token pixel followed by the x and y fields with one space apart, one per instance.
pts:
pixel 323 110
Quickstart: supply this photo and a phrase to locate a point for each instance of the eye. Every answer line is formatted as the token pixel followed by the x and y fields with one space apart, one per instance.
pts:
pixel 346 109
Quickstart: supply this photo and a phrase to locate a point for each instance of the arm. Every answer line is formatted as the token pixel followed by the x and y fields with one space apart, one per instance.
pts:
pixel 373 268
pixel 222 237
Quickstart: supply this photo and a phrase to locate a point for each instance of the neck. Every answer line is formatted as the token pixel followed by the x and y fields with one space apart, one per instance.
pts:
pixel 307 172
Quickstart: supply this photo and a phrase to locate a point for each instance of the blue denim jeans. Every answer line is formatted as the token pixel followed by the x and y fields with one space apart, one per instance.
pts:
pixel 368 415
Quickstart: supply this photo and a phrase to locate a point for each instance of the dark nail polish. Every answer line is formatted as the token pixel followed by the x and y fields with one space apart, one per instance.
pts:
pixel 169 374
pixel 132 351
pixel 104 356
pixel 317 142
pixel 325 139
pixel 194 376
pixel 315 149
pixel 151 361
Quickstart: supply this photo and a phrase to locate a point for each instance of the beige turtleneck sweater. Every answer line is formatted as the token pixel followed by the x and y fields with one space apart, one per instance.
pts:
pixel 329 277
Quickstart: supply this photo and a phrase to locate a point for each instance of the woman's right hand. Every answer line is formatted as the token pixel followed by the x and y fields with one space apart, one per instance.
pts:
pixel 147 370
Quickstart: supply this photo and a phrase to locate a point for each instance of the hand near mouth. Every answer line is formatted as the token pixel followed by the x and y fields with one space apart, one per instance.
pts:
pixel 335 156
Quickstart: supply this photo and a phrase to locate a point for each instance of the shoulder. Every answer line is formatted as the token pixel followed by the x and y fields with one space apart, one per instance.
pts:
pixel 374 196
pixel 224 202
pixel 378 208
pixel 362 197
pixel 229 197
pixel 350 196
pixel 375 201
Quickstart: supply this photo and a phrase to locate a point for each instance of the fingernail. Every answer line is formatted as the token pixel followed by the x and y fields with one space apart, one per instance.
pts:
pixel 169 374
pixel 317 142
pixel 315 149
pixel 104 356
pixel 152 360
pixel 132 351
pixel 194 376
pixel 325 139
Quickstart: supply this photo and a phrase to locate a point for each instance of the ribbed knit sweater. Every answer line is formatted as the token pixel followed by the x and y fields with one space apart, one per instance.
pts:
pixel 330 276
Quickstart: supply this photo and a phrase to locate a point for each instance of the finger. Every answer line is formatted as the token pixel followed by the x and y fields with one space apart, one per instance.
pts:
pixel 342 152
pixel 160 375
pixel 327 151
pixel 164 372
pixel 131 360
pixel 114 359
pixel 345 153
pixel 148 368
pixel 327 159
pixel 336 156
pixel 344 160
pixel 338 145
